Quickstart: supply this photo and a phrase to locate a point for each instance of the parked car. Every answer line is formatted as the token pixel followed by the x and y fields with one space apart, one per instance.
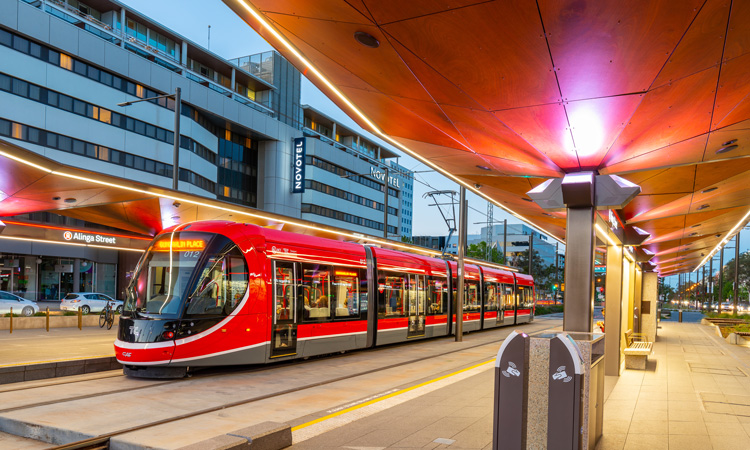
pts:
pixel 88 302
pixel 19 304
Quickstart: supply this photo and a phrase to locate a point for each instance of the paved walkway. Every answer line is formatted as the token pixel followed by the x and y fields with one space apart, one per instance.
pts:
pixel 35 346
pixel 695 394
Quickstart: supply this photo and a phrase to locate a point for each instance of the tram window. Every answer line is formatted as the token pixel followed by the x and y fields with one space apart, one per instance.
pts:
pixel 437 295
pixel 472 296
pixel 345 292
pixel 221 285
pixel 525 297
pixel 392 290
pixel 283 289
pixel 490 296
pixel 316 293
pixel 508 300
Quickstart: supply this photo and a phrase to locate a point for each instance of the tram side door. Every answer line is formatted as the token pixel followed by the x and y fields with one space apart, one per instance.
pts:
pixel 417 305
pixel 284 327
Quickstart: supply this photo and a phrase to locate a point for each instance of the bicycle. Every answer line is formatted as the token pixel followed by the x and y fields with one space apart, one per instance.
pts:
pixel 107 316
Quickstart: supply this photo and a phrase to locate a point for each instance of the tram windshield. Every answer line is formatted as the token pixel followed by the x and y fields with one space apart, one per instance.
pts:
pixel 199 273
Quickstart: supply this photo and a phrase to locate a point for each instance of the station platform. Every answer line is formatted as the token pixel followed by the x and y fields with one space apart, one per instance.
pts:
pixel 34 354
pixel 694 394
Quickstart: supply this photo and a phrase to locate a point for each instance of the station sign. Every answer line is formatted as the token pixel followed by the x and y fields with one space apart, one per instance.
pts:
pixel 380 175
pixel 77 236
pixel 298 166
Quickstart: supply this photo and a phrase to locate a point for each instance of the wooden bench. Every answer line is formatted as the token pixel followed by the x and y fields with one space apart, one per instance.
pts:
pixel 637 350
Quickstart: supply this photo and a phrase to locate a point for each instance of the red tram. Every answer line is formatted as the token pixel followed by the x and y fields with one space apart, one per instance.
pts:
pixel 225 293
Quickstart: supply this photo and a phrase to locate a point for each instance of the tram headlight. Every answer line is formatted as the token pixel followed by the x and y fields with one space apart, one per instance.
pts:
pixel 168 335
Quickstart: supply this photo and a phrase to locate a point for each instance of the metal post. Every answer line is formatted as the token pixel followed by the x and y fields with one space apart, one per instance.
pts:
pixel 80 318
pixel 461 252
pixel 385 204
pixel 531 252
pixel 505 241
pixel 11 320
pixel 721 278
pixel 579 270
pixel 557 270
pixel 736 270
pixel 711 280
pixel 176 150
pixel 48 319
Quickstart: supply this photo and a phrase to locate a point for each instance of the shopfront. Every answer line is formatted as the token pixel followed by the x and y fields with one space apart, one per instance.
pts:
pixel 44 263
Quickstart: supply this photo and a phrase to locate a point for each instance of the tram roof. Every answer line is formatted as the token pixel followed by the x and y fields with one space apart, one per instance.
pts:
pixel 508 94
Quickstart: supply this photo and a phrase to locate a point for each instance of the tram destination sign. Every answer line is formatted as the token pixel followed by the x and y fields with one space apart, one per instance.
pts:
pixel 298 166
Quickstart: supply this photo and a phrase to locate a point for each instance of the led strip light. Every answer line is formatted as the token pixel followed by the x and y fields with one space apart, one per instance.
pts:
pixel 293 50
pixel 354 236
pixel 724 241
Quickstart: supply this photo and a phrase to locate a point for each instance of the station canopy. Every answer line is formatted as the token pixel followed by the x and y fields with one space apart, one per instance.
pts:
pixel 506 94
pixel 502 95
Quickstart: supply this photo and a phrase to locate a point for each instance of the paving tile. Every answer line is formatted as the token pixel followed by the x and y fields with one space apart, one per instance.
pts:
pixel 649 441
pixel 686 416
pixel 688 428
pixel 681 442
pixel 727 429
pixel 649 427
pixel 710 417
pixel 615 427
pixel 611 442
pixel 730 442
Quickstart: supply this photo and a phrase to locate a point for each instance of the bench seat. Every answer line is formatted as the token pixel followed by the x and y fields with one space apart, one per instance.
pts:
pixel 637 350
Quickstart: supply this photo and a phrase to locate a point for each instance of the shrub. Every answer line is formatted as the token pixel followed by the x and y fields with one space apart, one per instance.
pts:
pixel 542 310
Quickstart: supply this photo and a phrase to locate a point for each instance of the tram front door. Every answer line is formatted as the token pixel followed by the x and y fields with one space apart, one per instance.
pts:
pixel 417 305
pixel 284 331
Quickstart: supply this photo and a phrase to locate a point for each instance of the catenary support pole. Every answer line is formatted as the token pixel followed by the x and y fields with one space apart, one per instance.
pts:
pixel 385 204
pixel 736 270
pixel 721 278
pixel 463 210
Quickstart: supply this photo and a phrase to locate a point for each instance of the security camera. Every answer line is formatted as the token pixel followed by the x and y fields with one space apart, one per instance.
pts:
pixel 477 186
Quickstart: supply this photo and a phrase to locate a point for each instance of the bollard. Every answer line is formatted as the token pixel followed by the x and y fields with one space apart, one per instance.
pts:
pixel 679 316
pixel 80 318
pixel 48 319
pixel 11 320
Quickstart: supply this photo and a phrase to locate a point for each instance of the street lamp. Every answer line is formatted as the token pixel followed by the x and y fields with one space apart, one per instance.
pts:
pixel 176 150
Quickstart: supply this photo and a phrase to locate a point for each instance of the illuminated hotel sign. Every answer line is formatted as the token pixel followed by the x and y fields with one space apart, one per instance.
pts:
pixel 178 245
pixel 77 236
pixel 378 175
pixel 613 220
pixel 298 166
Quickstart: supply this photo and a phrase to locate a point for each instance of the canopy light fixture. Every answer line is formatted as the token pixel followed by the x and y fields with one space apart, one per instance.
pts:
pixel 729 142
pixel 696 225
pixel 366 39
pixel 726 148
pixel 527 199
pixel 693 234
pixel 484 167
pixel 702 207
pixel 70 200
pixel 711 189
pixel 547 214
pixel 55 199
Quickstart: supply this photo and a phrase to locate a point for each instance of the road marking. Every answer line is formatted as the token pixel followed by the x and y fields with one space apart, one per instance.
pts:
pixel 331 421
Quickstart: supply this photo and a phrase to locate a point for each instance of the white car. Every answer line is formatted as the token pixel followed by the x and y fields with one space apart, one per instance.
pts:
pixel 19 304
pixel 89 302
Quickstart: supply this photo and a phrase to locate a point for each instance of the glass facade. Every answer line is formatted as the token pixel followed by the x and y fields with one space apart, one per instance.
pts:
pixel 48 278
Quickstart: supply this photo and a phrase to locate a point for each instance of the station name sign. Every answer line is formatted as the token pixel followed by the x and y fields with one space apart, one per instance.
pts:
pixel 378 175
pixel 88 238
pixel 298 166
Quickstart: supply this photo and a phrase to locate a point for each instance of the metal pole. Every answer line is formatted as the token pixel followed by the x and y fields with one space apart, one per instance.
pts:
pixel 176 150
pixel 711 280
pixel 385 204
pixel 505 241
pixel 557 270
pixel 736 270
pixel 461 252
pixel 721 278
pixel 531 252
